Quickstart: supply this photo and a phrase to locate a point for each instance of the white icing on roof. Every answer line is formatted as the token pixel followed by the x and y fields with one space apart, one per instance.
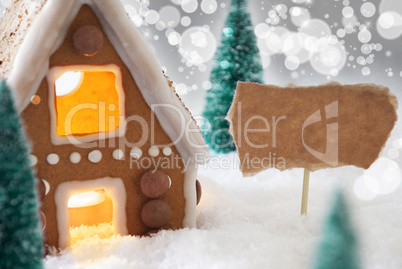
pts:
pixel 47 33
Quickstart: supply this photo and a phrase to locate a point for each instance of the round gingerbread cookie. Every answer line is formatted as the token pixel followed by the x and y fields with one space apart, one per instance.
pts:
pixel 198 190
pixel 154 184
pixel 88 40
pixel 155 213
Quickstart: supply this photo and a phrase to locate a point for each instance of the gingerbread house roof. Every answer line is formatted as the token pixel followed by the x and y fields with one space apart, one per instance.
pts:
pixel 47 33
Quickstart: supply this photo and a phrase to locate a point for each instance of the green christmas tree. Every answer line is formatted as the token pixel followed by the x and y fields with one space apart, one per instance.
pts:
pixel 337 249
pixel 20 232
pixel 237 59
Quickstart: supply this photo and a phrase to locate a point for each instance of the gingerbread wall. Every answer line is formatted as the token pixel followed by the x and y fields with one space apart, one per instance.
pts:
pixel 37 124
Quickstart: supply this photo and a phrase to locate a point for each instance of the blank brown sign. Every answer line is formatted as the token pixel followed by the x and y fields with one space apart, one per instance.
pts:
pixel 316 127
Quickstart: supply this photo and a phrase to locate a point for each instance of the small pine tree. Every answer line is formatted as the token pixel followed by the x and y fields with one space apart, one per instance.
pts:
pixel 337 249
pixel 237 59
pixel 20 232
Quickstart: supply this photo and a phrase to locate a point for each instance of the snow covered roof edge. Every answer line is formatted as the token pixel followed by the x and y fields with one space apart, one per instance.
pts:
pixel 47 33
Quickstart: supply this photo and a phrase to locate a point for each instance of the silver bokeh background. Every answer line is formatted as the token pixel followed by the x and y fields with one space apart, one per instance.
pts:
pixel 195 26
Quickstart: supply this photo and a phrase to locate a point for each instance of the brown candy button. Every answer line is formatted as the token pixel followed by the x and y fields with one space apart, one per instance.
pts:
pixel 41 189
pixel 199 191
pixel 35 99
pixel 88 40
pixel 154 184
pixel 155 213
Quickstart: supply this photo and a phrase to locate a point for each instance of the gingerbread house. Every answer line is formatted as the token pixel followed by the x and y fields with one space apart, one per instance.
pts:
pixel 110 139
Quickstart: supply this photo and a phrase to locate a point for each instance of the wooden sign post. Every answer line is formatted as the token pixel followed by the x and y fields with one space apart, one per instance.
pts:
pixel 306 183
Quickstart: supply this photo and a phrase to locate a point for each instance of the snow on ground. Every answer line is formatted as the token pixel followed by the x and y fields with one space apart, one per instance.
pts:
pixel 254 223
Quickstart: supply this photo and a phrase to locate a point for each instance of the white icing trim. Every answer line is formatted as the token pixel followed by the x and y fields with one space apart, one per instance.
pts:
pixel 44 221
pixel 95 156
pixel 33 160
pixel 190 196
pixel 167 151
pixel 47 33
pixel 75 157
pixel 118 154
pixel 52 158
pixel 47 186
pixel 136 153
pixel 170 182
pixel 113 186
pixel 54 74
pixel 153 151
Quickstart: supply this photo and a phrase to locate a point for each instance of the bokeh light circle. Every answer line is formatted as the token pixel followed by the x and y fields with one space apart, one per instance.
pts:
pixel 292 62
pixel 170 16
pixel 291 44
pixel 189 6
pixel 366 71
pixel 348 12
pixel 364 36
pixel 197 46
pixel 368 9
pixel 174 38
pixel 317 28
pixel 393 153
pixel 261 30
pixel 329 60
pixel 209 6
pixel 366 187
pixel 185 21
pixel 299 16
pixel 273 42
pixel 389 25
pixel 152 17
pixel 391 5
pixel 181 89
pixel 383 177
pixel 281 9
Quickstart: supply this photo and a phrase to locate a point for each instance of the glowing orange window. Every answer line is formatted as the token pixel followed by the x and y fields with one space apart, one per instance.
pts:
pixel 87 102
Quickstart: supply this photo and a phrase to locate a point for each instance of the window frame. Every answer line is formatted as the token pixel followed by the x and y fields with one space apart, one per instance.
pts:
pixel 53 74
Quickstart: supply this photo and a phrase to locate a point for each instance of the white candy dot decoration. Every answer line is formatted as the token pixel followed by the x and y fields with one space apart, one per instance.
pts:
pixel 75 157
pixel 47 186
pixel 118 154
pixel 136 153
pixel 167 151
pixel 52 158
pixel 95 156
pixel 153 151
pixel 170 182
pixel 32 160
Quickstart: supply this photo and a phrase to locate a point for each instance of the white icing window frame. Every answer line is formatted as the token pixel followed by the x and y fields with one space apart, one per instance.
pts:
pixel 53 74
pixel 113 186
